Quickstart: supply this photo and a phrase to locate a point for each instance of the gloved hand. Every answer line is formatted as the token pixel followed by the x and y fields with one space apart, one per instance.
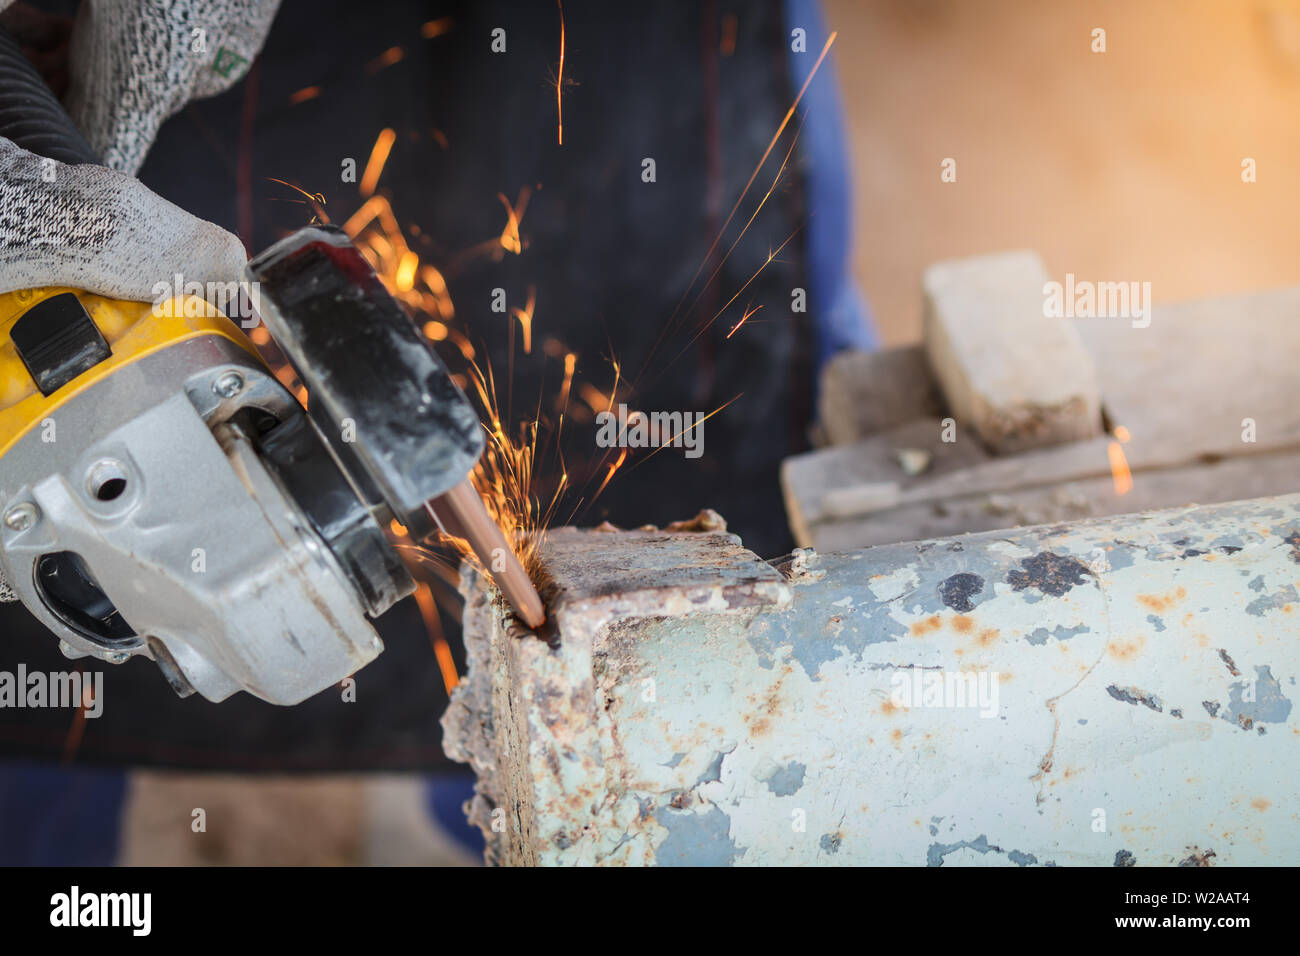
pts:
pixel 91 228
pixel 132 64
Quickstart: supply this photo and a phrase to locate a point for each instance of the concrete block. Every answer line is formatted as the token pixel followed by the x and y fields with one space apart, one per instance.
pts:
pixel 1020 378
pixel 863 393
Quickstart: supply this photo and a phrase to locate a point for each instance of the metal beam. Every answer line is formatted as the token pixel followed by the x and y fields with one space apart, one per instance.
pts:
pixel 1105 692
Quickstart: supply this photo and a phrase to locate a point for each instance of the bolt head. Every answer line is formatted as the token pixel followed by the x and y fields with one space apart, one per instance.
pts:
pixel 117 657
pixel 21 517
pixel 228 385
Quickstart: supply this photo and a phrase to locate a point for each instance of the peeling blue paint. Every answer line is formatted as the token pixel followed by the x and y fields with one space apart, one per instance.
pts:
pixel 1132 695
pixel 1059 633
pixel 1275 601
pixel 712 773
pixel 937 851
pixel 696 839
pixel 787 780
pixel 1270 705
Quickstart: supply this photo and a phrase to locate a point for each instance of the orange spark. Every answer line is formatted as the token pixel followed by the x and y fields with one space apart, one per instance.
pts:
pixel 668 444
pixel 743 319
pixel 435 331
pixel 594 397
pixel 771 257
pixel 1119 469
pixel 559 79
pixel 1121 433
pixel 612 469
pixel 304 94
pixel 404 278
pixel 525 317
pixel 461 342
pixel 785 121
pixel 433 625
pixel 390 56
pixel 438 290
pixel 436 28
pixel 570 363
pixel 315 200
pixel 613 392
pixel 510 234
pixel 375 165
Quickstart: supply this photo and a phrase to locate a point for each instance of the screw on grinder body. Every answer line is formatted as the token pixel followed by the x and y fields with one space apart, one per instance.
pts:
pixel 398 426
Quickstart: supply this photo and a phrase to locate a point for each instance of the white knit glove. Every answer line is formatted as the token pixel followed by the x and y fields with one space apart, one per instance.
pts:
pixel 91 228
pixel 133 63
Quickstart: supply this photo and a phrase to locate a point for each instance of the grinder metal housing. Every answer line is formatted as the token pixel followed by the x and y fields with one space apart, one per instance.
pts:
pixel 164 495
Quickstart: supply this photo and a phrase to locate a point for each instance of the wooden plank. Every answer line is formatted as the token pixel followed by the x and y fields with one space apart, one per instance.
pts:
pixel 1228 480
pixel 870 467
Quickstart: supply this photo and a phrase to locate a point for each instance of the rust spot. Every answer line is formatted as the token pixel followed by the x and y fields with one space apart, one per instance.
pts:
pixel 1125 650
pixel 896 735
pixel 987 636
pixel 931 623
pixel 1162 602
pixel 962 624
pixel 888 708
pixel 1261 804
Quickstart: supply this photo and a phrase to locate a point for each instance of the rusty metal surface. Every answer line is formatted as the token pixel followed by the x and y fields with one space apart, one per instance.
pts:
pixel 1129 699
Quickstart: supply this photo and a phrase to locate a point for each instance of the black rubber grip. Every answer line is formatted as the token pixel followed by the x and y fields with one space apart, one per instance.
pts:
pixel 30 114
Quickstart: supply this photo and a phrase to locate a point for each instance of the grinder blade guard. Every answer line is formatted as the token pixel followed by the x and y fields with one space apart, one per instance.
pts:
pixel 397 424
